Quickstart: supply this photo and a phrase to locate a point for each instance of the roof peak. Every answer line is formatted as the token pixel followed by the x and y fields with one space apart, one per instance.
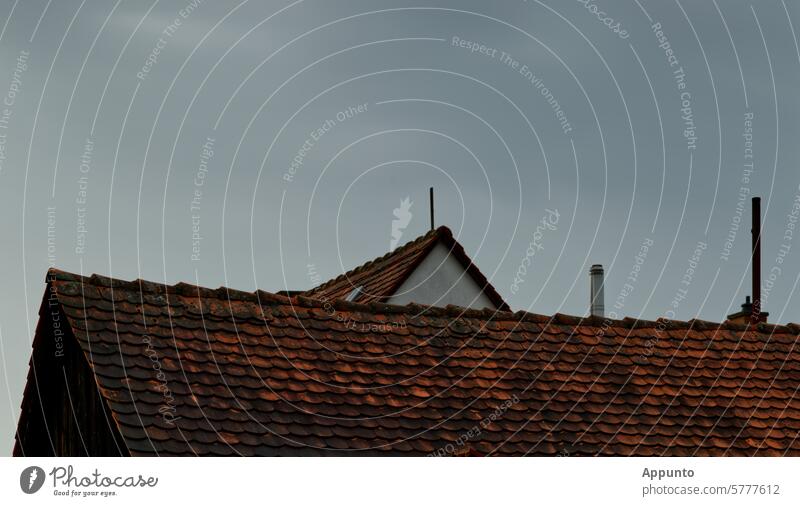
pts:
pixel 381 277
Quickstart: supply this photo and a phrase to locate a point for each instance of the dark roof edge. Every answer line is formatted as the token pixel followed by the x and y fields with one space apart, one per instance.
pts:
pixel 55 274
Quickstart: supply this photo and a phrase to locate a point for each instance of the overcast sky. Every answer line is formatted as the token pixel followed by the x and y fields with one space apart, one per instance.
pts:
pixel 156 139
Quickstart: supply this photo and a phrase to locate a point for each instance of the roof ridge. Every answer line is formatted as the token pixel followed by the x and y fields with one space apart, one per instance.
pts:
pixel 267 298
pixel 437 232
pixel 179 288
pixel 369 273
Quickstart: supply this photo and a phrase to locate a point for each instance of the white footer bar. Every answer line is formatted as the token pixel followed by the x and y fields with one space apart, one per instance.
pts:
pixel 401 481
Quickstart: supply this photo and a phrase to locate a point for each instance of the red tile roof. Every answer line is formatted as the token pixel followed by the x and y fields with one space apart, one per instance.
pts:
pixel 379 279
pixel 263 374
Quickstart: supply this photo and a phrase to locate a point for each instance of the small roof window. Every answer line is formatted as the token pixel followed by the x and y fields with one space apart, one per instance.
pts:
pixel 354 294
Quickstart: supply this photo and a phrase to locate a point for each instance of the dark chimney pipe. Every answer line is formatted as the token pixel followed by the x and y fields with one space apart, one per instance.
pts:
pixel 752 311
pixel 755 316
pixel 431 193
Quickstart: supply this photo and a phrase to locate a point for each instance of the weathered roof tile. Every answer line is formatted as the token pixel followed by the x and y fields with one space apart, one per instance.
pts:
pixel 380 379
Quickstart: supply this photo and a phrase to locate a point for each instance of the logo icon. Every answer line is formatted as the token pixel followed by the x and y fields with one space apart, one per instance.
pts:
pixel 403 215
pixel 31 479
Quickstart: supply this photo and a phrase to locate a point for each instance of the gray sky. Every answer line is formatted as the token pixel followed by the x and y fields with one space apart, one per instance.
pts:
pixel 569 107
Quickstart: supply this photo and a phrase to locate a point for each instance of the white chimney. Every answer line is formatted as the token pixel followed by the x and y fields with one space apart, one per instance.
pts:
pixel 596 303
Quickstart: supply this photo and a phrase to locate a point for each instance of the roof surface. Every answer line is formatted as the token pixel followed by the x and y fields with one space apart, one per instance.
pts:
pixel 379 279
pixel 263 374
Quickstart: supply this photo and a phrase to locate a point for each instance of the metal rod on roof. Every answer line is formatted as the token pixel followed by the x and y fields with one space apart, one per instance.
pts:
pixel 431 199
pixel 756 231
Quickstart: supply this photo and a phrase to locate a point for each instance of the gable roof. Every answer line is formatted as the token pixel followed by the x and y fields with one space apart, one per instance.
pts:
pixel 379 279
pixel 263 374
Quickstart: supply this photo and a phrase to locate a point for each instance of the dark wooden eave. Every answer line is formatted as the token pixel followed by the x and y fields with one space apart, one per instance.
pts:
pixel 63 412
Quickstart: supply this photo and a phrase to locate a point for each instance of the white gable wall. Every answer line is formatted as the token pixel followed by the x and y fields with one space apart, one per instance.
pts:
pixel 440 280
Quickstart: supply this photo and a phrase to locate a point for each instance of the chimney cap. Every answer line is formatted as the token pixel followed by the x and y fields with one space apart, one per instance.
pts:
pixel 596 268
